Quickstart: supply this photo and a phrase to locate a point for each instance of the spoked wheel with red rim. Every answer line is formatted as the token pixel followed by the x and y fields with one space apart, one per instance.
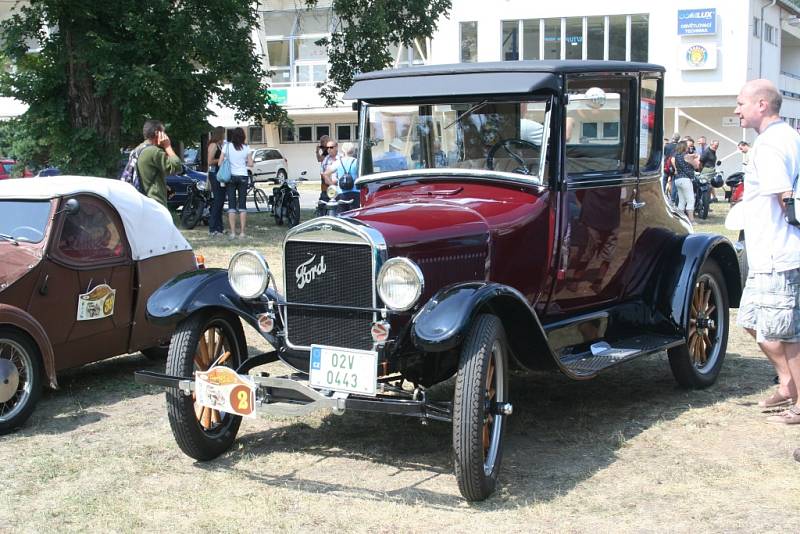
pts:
pixel 480 408
pixel 697 363
pixel 201 341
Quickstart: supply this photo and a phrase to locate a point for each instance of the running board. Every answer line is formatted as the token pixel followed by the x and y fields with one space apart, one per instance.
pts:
pixel 603 355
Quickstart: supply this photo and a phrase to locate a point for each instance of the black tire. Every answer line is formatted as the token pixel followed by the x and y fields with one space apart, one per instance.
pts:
pixel 20 362
pixel 260 199
pixel 697 363
pixel 293 213
pixel 478 433
pixel 195 439
pixel 192 211
pixel 704 203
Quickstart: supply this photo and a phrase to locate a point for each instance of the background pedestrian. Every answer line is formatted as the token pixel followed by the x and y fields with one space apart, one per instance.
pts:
pixel 215 228
pixel 155 164
pixel 241 158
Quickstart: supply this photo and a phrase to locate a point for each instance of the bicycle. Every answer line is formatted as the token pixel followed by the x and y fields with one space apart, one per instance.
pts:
pixel 259 196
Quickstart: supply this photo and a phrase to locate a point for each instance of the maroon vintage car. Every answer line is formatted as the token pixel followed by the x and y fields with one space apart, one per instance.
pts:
pixel 79 257
pixel 511 217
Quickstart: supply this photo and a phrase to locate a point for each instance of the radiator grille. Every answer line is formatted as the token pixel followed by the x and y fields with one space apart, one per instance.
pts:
pixel 347 281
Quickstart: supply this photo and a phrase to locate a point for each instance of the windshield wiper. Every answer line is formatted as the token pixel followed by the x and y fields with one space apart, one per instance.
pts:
pixel 467 113
pixel 10 238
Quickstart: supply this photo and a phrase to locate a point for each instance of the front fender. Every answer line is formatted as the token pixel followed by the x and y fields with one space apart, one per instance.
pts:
pixel 695 250
pixel 443 323
pixel 195 290
pixel 22 320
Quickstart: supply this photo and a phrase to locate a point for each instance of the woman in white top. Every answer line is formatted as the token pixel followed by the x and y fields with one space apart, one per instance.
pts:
pixel 241 158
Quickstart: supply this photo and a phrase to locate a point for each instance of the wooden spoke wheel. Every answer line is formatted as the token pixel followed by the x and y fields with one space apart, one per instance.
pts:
pixel 698 362
pixel 200 342
pixel 20 379
pixel 478 426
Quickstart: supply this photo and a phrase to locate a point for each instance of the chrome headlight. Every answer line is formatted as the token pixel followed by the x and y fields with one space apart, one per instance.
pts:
pixel 331 192
pixel 248 274
pixel 400 283
pixel 201 185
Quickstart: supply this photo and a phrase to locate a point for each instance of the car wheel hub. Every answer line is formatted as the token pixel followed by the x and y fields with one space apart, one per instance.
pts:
pixel 9 380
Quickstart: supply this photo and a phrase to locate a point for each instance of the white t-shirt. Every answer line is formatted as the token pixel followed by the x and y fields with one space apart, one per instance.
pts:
pixel 772 243
pixel 238 158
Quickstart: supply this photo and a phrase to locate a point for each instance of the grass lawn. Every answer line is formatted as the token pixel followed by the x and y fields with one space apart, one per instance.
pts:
pixel 626 452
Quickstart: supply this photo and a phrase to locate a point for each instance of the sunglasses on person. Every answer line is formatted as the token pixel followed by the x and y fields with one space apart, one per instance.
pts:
pixel 331 146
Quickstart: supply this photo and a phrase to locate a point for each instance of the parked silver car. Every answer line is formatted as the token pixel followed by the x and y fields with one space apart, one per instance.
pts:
pixel 269 164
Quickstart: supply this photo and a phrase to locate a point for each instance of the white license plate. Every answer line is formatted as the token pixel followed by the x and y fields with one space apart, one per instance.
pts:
pixel 347 370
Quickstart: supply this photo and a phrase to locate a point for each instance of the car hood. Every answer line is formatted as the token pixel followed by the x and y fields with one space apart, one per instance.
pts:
pixel 15 261
pixel 413 224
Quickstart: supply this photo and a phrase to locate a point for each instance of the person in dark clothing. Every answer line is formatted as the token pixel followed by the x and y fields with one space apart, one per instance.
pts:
pixel 215 228
pixel 669 151
pixel 709 156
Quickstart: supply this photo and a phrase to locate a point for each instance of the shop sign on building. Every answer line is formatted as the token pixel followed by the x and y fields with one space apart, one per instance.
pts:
pixel 698 56
pixel 697 21
pixel 277 96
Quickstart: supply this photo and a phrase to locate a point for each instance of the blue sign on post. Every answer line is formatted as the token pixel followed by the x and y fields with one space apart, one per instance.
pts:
pixel 697 21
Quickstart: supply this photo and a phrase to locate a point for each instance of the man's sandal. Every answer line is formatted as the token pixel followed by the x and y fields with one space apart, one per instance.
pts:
pixel 776 400
pixel 787 417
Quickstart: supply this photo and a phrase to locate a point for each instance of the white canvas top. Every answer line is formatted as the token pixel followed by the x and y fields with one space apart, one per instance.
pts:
pixel 148 224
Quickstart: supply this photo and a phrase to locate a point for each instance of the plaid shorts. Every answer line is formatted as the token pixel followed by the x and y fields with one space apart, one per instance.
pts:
pixel 770 305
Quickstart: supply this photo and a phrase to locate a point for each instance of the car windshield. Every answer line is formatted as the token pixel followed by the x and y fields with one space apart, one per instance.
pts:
pixel 24 220
pixel 506 137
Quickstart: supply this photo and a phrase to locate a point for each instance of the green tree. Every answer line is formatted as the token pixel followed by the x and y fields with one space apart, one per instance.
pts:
pixel 366 30
pixel 92 72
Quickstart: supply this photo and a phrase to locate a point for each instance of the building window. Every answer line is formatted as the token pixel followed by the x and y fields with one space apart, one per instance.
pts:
pixel 756 27
pixel 255 135
pixel 469 42
pixel 620 37
pixel 595 37
pixel 616 37
pixel 304 133
pixel 769 34
pixel 409 56
pixel 346 132
pixel 530 39
pixel 292 52
pixel 573 42
pixel 552 39
pixel 510 40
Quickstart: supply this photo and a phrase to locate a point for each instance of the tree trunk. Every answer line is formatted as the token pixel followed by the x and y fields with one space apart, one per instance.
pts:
pixel 87 109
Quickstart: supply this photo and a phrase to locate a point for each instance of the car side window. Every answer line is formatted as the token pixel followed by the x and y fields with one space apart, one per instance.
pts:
pixel 597 125
pixel 273 154
pixel 91 235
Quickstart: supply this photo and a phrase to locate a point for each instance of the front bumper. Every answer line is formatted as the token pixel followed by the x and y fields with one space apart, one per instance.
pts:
pixel 290 395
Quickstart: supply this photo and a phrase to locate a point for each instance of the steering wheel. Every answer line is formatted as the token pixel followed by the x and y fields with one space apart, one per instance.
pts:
pixel 506 144
pixel 19 230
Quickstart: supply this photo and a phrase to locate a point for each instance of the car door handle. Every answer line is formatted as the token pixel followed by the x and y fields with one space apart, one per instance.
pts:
pixel 635 204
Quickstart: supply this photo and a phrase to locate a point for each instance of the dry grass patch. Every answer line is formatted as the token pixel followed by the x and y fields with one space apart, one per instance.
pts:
pixel 626 452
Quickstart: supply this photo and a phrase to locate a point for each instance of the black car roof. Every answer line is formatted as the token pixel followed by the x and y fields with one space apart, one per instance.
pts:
pixel 460 79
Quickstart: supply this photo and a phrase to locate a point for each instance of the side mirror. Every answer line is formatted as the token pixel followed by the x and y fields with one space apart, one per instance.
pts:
pixel 72 206
pixel 258 159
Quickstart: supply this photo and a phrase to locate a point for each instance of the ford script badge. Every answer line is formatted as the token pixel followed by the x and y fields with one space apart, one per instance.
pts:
pixel 306 272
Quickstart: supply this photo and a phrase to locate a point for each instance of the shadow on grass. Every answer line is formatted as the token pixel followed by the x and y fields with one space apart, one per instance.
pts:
pixel 562 432
pixel 83 391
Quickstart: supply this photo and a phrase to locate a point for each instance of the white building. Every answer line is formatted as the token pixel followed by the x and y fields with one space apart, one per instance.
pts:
pixel 709 50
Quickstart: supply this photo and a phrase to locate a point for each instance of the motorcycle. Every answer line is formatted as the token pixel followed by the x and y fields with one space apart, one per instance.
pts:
pixel 704 183
pixel 338 202
pixel 284 202
pixel 736 184
pixel 197 206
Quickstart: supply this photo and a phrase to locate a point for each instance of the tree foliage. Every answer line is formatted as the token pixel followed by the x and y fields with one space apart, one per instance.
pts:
pixel 93 72
pixel 366 30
